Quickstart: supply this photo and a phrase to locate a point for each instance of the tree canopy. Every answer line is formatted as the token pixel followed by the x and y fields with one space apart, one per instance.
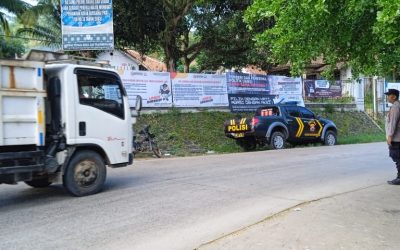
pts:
pixel 365 34
pixel 15 7
pixel 43 23
pixel 185 30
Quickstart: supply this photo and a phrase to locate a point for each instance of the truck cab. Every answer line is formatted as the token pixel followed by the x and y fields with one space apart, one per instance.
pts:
pixel 62 121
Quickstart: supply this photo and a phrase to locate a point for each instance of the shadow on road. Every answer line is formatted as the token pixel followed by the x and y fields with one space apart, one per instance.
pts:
pixel 24 195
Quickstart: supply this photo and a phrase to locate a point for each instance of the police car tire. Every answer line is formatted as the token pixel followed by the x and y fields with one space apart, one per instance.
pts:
pixel 330 138
pixel 278 140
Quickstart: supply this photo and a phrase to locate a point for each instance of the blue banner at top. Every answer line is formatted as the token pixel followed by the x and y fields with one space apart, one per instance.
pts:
pixel 87 24
pixel 86 13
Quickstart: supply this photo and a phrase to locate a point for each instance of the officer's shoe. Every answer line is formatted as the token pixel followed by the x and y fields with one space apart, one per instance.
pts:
pixel 394 182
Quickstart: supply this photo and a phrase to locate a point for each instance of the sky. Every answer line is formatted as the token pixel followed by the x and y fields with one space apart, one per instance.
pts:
pixel 33 2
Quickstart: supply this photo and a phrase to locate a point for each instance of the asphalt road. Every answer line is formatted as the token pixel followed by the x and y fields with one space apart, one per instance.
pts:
pixel 182 203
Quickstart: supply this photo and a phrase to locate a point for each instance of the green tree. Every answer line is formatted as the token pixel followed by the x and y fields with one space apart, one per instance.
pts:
pixel 11 47
pixel 232 45
pixel 42 23
pixel 362 33
pixel 15 7
pixel 184 29
pixel 219 35
pixel 138 24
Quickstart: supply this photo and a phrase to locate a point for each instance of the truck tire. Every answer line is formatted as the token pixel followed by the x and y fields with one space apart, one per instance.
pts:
pixel 330 138
pixel 39 183
pixel 277 140
pixel 85 174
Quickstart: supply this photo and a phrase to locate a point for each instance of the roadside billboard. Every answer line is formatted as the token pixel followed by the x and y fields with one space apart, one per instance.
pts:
pixel 247 92
pixel 390 85
pixel 153 87
pixel 199 90
pixel 87 25
pixel 286 89
pixel 322 88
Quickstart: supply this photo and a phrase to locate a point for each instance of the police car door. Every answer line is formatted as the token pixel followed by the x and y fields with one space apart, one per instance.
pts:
pixel 311 126
pixel 294 122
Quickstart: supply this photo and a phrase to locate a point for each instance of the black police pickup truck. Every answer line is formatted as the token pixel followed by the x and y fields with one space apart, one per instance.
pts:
pixel 274 125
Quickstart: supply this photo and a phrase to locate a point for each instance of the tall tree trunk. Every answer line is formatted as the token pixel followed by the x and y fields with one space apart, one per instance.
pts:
pixel 185 45
pixel 174 12
pixel 186 66
pixel 170 60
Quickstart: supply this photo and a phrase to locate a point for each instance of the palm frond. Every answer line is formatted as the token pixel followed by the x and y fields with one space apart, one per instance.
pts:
pixel 4 24
pixel 14 6
pixel 43 23
pixel 44 35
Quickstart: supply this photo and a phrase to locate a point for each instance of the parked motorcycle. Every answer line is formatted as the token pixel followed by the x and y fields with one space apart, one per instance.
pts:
pixel 146 142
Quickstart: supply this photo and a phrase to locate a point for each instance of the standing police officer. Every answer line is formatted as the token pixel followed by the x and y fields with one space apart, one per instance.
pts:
pixel 392 126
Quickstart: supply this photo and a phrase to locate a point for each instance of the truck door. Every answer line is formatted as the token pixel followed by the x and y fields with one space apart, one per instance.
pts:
pixel 100 113
pixel 312 127
pixel 294 122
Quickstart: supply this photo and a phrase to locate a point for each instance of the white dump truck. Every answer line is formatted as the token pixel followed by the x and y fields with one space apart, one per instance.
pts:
pixel 62 121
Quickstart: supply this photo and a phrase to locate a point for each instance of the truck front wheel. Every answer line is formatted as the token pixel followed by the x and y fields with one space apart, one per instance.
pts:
pixel 278 140
pixel 85 174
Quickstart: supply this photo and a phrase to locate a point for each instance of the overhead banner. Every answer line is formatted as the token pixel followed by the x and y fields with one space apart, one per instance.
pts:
pixel 153 87
pixel 322 88
pixel 199 90
pixel 87 24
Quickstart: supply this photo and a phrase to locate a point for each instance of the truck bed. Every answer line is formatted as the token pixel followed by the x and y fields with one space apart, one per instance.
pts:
pixel 22 94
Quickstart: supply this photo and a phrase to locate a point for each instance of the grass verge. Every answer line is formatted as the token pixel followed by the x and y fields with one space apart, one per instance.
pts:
pixel 183 134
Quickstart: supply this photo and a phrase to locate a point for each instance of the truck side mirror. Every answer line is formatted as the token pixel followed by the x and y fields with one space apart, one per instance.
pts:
pixel 138 106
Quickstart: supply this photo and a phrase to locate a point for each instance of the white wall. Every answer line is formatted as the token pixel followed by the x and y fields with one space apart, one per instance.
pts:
pixel 119 60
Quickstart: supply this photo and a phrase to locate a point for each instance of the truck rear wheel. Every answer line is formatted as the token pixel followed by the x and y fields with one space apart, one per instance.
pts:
pixel 39 183
pixel 278 140
pixel 85 174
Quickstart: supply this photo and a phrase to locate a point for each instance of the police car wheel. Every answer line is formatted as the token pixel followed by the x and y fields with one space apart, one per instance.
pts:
pixel 277 140
pixel 330 138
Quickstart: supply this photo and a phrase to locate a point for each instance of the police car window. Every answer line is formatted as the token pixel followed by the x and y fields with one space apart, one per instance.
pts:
pixel 305 113
pixel 293 111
